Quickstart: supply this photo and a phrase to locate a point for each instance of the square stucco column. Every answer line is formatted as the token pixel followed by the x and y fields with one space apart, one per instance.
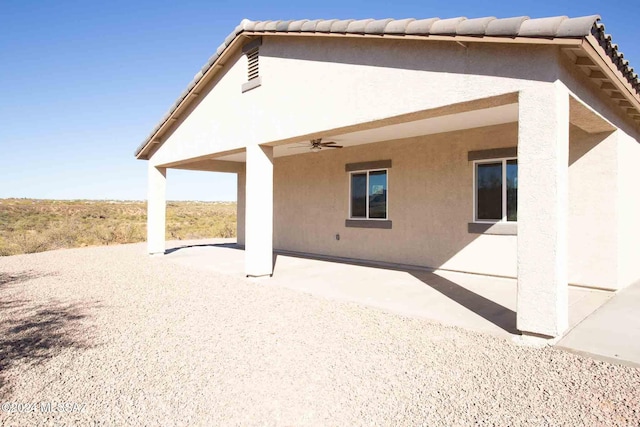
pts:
pixel 543 172
pixel 240 206
pixel 156 210
pixel 259 211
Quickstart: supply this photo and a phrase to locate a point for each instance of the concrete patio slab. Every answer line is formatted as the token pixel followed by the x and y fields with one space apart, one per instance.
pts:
pixel 479 303
pixel 612 332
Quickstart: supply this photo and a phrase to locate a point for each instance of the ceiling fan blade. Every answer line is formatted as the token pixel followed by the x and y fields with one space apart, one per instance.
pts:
pixel 325 144
pixel 333 146
pixel 299 145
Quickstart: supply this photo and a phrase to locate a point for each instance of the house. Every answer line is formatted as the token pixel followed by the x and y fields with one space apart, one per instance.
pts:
pixel 504 147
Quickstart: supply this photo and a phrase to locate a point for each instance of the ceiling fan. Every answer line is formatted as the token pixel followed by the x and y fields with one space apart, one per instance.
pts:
pixel 316 145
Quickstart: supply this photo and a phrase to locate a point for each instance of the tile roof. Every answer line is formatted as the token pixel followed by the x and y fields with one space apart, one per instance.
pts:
pixel 521 26
pixel 616 56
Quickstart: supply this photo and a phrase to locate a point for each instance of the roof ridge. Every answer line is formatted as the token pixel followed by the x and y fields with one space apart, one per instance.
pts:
pixel 521 26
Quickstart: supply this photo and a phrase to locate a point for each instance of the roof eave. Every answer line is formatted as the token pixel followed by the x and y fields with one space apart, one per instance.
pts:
pixel 187 97
pixel 586 33
pixel 203 77
pixel 598 55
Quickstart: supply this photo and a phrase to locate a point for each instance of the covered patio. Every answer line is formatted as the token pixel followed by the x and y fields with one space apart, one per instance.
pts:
pixel 534 125
pixel 473 302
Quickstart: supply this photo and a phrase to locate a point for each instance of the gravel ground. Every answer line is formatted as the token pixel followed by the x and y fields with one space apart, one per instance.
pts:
pixel 140 341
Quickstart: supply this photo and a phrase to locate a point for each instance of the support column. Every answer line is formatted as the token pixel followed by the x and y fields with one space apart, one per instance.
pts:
pixel 543 156
pixel 156 209
pixel 259 211
pixel 240 206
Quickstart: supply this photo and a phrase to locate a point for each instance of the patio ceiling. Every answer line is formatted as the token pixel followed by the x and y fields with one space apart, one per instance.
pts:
pixel 459 121
pixel 488 112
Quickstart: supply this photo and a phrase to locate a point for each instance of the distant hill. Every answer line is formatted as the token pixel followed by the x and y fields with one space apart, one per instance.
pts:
pixel 33 225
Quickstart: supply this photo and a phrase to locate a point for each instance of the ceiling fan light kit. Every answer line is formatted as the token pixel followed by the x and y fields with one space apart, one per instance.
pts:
pixel 316 145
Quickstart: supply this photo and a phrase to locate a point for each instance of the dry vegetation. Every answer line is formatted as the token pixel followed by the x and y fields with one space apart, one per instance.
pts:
pixel 28 226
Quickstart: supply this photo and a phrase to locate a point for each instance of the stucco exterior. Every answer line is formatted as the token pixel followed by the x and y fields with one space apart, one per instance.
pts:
pixel 311 86
pixel 577 153
pixel 430 203
pixel 431 179
pixel 628 209
pixel 593 217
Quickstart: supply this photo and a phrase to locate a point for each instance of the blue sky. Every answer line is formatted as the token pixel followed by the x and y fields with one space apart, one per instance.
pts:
pixel 83 83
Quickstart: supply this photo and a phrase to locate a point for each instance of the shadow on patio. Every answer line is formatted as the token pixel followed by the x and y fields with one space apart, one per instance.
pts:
pixel 470 301
pixel 204 245
pixel 495 313
pixel 463 292
pixel 474 302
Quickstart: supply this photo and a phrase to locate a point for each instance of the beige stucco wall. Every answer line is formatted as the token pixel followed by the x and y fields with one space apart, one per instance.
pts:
pixel 628 208
pixel 430 203
pixel 593 217
pixel 604 203
pixel 317 84
pixel 604 230
pixel 312 85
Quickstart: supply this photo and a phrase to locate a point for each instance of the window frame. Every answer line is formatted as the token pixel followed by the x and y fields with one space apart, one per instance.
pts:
pixel 366 217
pixel 503 161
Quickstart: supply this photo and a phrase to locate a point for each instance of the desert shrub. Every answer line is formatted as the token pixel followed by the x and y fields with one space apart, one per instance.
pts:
pixel 130 233
pixel 6 248
pixel 227 230
pixel 64 234
pixel 104 235
pixel 30 242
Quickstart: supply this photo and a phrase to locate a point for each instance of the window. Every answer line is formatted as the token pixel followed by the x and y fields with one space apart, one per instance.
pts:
pixel 368 195
pixel 496 190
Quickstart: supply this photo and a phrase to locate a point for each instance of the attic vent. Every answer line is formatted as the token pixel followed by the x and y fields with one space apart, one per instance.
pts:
pixel 252 61
pixel 252 50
